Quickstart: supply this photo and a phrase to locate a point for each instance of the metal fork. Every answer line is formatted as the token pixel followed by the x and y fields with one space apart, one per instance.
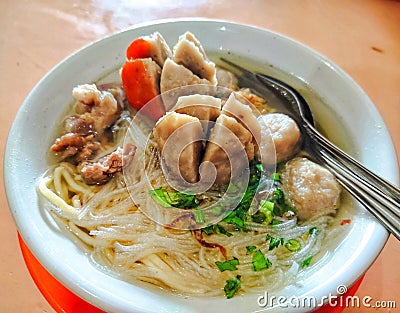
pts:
pixel 376 194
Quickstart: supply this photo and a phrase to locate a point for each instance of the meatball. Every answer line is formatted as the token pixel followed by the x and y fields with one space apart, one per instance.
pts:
pixel 311 188
pixel 285 135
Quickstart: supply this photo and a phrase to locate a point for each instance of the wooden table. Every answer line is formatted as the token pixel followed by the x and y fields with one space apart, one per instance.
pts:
pixel 361 36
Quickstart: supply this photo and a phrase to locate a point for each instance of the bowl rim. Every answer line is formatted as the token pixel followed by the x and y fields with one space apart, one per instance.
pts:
pixel 10 175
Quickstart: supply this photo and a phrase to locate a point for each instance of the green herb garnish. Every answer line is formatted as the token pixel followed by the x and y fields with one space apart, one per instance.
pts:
pixel 280 204
pixel 267 208
pixel 293 245
pixel 313 231
pixel 260 262
pixel 240 214
pixel 232 286
pixel 216 229
pixel 230 265
pixel 274 242
pixel 306 262
pixel 259 167
pixel 237 218
pixel 250 249
pixel 275 222
pixel 167 197
pixel 275 177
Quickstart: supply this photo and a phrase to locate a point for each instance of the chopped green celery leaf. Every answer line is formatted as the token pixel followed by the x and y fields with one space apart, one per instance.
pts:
pixel 306 262
pixel 266 208
pixel 230 265
pixel 235 220
pixel 279 194
pixel 281 205
pixel 259 217
pixel 260 262
pixel 240 214
pixel 274 242
pixel 237 217
pixel 275 177
pixel 216 229
pixel 259 167
pixel 158 196
pixel 313 231
pixel 250 249
pixel 293 245
pixel 168 197
pixel 267 205
pixel 232 286
pixel 199 216
pixel 222 230
pixel 208 230
pixel 247 197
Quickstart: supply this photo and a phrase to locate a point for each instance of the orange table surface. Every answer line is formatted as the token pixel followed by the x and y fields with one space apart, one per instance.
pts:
pixel 361 36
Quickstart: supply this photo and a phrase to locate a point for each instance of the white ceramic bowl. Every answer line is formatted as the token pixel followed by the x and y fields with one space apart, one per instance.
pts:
pixel 33 130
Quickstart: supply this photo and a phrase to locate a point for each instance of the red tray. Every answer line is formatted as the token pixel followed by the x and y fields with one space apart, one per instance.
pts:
pixel 65 301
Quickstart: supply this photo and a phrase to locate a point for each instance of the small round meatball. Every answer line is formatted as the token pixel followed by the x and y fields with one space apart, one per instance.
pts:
pixel 311 188
pixel 285 134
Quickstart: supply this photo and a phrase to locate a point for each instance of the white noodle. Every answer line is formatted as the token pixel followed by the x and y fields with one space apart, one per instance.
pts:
pixel 125 242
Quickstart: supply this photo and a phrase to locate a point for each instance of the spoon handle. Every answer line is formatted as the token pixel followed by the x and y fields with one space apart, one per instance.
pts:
pixel 363 172
pixel 379 196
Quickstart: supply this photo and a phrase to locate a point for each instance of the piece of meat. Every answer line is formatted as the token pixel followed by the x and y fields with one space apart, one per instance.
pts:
pixel 243 113
pixel 190 53
pixel 100 172
pixel 174 75
pixel 68 140
pixel 119 95
pixel 87 94
pixel 205 108
pixel 311 188
pixel 88 151
pixel 226 79
pixel 284 132
pixel 160 51
pixel 103 107
pixel 229 143
pixel 73 144
pixel 178 157
pixel 81 125
pixel 84 132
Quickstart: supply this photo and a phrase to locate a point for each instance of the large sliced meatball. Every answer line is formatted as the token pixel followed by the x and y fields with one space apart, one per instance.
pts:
pixel 229 147
pixel 186 130
pixel 205 108
pixel 284 132
pixel 174 75
pixel 190 53
pixel 311 188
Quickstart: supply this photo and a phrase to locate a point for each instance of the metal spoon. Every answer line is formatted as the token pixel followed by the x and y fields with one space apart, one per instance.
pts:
pixel 376 194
